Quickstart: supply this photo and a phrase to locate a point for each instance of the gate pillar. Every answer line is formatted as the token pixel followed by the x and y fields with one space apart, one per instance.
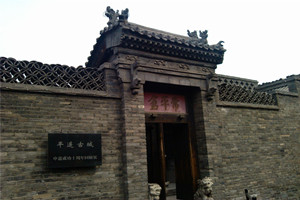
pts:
pixel 134 143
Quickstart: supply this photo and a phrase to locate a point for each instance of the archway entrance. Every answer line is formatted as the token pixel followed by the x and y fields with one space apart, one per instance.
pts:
pixel 170 160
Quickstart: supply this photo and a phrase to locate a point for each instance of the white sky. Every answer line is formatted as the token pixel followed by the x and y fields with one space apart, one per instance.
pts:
pixel 262 37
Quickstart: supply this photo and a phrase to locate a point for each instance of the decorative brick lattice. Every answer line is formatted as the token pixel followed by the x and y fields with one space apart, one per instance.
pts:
pixel 249 85
pixel 37 73
pixel 234 93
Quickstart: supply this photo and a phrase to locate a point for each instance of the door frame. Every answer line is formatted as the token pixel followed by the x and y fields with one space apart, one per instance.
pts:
pixel 162 119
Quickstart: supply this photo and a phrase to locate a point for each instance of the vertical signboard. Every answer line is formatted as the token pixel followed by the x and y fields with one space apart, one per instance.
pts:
pixel 74 150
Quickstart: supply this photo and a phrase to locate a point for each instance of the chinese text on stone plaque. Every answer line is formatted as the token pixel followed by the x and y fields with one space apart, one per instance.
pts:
pixel 164 103
pixel 74 150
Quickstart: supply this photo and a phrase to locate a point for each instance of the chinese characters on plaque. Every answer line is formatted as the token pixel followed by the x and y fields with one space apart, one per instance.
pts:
pixel 74 150
pixel 164 103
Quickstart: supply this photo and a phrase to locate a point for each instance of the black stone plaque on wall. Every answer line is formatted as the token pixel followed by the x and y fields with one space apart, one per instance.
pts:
pixel 74 150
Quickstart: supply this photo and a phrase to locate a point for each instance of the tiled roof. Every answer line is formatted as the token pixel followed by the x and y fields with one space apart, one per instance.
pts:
pixel 134 36
pixel 165 36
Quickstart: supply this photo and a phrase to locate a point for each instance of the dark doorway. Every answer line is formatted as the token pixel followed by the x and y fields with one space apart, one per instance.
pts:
pixel 169 159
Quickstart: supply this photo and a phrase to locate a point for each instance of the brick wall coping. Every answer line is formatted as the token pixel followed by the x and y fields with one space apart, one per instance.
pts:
pixel 246 105
pixel 284 93
pixel 55 90
pixel 287 84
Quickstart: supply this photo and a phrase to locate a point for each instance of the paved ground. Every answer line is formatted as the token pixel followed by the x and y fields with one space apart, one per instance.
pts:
pixel 171 197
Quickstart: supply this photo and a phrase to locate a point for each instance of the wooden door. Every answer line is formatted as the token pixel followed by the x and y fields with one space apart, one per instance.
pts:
pixel 155 156
pixel 184 181
pixel 163 139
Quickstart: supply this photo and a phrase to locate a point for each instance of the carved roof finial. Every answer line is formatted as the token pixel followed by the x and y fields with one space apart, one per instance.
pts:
pixel 203 36
pixel 112 15
pixel 124 15
pixel 115 17
pixel 192 34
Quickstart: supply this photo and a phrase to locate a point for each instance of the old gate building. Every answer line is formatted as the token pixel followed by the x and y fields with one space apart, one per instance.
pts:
pixel 147 108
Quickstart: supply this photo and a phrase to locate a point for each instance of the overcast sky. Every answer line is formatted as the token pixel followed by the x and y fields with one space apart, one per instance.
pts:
pixel 262 37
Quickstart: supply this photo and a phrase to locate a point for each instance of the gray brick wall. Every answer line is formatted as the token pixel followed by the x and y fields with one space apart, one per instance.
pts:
pixel 26 120
pixel 254 148
pixel 251 147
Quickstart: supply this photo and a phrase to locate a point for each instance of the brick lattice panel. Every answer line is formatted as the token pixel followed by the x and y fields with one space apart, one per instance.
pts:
pixel 234 93
pixel 37 73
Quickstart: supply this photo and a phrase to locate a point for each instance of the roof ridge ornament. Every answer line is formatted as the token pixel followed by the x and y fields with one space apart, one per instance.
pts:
pixel 115 17
pixel 203 39
pixel 123 17
pixel 192 34
pixel 203 36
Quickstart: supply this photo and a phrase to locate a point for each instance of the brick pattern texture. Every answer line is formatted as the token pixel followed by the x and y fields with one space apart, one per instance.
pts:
pixel 257 149
pixel 238 148
pixel 134 145
pixel 26 120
